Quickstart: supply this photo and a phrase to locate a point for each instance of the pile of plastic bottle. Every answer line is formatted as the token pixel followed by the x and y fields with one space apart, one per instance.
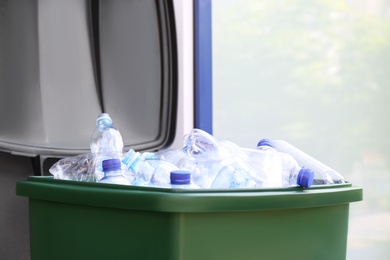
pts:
pixel 204 162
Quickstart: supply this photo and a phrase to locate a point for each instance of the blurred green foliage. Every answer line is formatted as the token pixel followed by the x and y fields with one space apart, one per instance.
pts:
pixel 315 73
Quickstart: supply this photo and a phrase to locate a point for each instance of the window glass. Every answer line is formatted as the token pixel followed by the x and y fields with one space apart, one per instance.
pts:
pixel 316 74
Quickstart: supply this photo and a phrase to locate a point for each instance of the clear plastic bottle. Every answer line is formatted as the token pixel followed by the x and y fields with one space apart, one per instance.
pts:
pixel 113 173
pixel 173 156
pixel 106 142
pixel 105 138
pixel 177 157
pixel 223 164
pixel 181 179
pixel 293 174
pixel 266 165
pixel 148 171
pixel 232 177
pixel 323 174
pixel 201 146
pixel 210 158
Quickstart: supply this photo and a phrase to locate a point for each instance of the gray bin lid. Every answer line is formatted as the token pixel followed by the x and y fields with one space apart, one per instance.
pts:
pixel 62 63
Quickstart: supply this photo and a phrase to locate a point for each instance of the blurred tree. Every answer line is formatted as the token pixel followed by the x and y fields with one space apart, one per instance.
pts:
pixel 313 59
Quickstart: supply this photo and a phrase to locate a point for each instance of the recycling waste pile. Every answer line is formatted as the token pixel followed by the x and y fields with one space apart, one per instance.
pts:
pixel 209 200
pixel 203 162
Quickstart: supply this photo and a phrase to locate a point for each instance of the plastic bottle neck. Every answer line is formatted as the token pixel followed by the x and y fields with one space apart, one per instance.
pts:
pixel 104 121
pixel 104 124
pixel 305 177
pixel 132 160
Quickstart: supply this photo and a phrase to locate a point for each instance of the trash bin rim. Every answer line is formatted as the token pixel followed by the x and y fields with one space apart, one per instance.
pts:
pixel 170 200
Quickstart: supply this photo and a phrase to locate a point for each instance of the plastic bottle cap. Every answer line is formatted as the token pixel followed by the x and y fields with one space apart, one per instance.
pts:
pixel 266 142
pixel 104 118
pixel 111 165
pixel 180 177
pixel 305 177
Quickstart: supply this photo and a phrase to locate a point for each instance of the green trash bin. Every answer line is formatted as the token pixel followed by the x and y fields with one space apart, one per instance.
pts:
pixel 75 220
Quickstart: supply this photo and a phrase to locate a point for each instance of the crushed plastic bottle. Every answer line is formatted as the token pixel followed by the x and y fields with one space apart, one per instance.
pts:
pixel 105 138
pixel 293 174
pixel 201 146
pixel 207 155
pixel 202 155
pixel 173 156
pixel 106 142
pixel 182 161
pixel 266 165
pixel 231 176
pixel 219 164
pixel 323 174
pixel 148 171
pixel 113 172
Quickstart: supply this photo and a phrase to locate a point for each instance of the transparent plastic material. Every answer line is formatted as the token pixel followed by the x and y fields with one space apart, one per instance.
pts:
pixel 113 172
pixel 266 165
pixel 220 164
pixel 231 166
pixel 212 163
pixel 323 174
pixel 229 177
pixel 291 173
pixel 77 168
pixel 147 170
pixel 106 142
pixel 181 179
pixel 105 138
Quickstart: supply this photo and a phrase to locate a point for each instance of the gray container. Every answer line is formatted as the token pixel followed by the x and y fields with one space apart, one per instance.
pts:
pixel 62 63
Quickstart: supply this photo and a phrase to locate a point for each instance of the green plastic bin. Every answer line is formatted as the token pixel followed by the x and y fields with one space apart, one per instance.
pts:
pixel 74 220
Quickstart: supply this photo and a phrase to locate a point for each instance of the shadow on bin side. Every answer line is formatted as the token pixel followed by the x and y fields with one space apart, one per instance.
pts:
pixel 74 220
pixel 62 63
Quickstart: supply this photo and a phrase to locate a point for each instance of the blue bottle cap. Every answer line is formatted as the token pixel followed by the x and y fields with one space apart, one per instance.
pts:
pixel 266 142
pixel 180 177
pixel 305 177
pixel 111 165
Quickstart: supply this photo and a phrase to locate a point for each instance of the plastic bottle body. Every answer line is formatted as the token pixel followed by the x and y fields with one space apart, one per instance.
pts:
pixel 105 138
pixel 323 174
pixel 215 164
pixel 106 143
pixel 115 177
pixel 293 174
pixel 267 166
pixel 113 172
pixel 161 172
pixel 201 171
pixel 173 156
pixel 229 177
pixel 148 171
